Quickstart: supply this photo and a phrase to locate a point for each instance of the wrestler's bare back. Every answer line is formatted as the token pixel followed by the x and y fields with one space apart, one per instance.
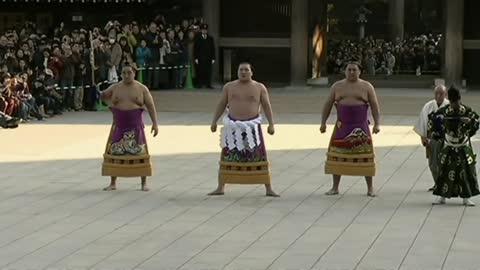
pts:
pixel 128 97
pixel 244 99
pixel 352 93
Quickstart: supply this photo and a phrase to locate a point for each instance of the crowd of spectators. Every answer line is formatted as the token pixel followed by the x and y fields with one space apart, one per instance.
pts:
pixel 46 74
pixel 415 55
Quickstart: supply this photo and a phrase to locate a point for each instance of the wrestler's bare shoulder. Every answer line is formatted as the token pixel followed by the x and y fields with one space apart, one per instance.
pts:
pixel 114 86
pixel 259 85
pixel 134 85
pixel 237 85
pixel 237 82
pixel 230 85
pixel 117 86
pixel 339 84
pixel 365 84
pixel 141 86
pixel 343 83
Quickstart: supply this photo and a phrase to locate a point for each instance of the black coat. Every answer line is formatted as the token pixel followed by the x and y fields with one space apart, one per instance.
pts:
pixel 204 49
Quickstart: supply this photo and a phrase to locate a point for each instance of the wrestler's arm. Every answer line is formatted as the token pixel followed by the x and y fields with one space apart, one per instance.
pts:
pixel 266 105
pixel 222 104
pixel 107 94
pixel 372 99
pixel 327 107
pixel 148 101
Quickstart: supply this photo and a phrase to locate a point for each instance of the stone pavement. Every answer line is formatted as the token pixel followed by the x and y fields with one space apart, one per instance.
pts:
pixel 53 214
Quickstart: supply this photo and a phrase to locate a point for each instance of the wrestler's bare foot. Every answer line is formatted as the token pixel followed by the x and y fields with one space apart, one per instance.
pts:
pixel 271 193
pixel 332 192
pixel 371 193
pixel 113 184
pixel 336 183
pixel 110 188
pixel 217 192
pixel 370 188
pixel 144 184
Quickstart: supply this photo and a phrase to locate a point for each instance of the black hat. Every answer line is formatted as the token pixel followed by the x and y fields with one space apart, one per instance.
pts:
pixel 204 26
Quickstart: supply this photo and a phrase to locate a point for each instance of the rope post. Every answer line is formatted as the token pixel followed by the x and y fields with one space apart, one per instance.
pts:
pixel 189 82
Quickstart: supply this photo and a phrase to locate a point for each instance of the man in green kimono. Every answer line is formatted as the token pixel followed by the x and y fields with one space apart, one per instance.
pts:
pixel 455 124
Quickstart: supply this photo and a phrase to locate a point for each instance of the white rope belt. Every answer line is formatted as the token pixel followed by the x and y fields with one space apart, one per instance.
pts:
pixel 233 132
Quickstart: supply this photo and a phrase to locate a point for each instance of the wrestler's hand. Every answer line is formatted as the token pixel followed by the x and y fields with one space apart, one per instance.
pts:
pixel 213 127
pixel 323 128
pixel 104 94
pixel 424 141
pixel 154 130
pixel 376 129
pixel 271 130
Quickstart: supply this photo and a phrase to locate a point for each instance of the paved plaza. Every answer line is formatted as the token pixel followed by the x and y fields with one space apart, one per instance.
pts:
pixel 54 214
